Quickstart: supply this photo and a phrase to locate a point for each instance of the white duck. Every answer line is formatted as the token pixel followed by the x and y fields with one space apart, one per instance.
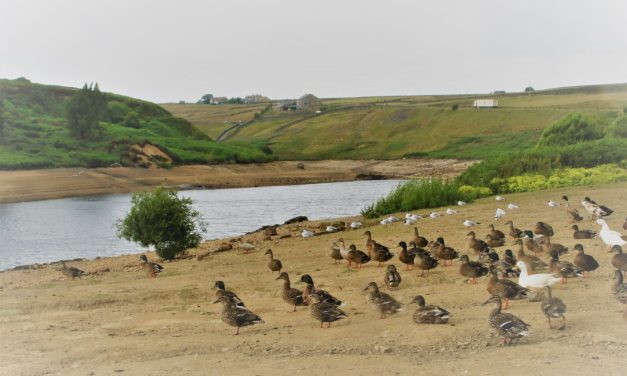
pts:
pixel 410 222
pixel 434 215
pixel 307 233
pixel 469 223
pixel 610 237
pixel 461 203
pixel 499 198
pixel 356 225
pixel 393 219
pixel 413 217
pixel 536 281
pixel 512 206
pixel 499 213
pixel 450 211
pixel 331 229
pixel 385 221
pixel 553 204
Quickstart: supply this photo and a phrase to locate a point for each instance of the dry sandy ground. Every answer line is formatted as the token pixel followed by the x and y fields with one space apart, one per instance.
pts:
pixel 17 186
pixel 121 322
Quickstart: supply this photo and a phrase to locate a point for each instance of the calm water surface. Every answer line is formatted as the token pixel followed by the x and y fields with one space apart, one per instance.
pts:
pixel 44 231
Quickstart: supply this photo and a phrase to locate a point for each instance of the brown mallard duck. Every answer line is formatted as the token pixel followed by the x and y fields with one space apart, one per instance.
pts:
pixel 533 245
pixel 553 308
pixel 585 262
pixel 443 252
pixel 619 289
pixel 291 295
pixel 619 260
pixel 509 257
pixel 429 314
pixel 273 264
pixel 152 268
pixel 376 251
pixel 502 266
pixel 496 234
pixel 512 231
pixel 534 264
pixel 508 326
pixel 392 277
pixel 221 290
pixel 494 242
pixel 478 246
pixel 381 302
pixel 543 229
pixel 505 288
pixel 549 247
pixel 324 311
pixel 425 262
pixel 357 257
pixel 311 289
pixel 335 253
pixel 582 234
pixel 72 272
pixel 234 315
pixel 421 241
pixel 564 268
pixel 405 257
pixel 573 214
pixel 472 269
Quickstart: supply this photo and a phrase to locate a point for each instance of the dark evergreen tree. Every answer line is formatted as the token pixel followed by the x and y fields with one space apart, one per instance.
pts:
pixel 84 112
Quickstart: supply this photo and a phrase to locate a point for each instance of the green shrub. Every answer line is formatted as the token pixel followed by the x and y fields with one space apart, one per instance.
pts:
pixel 571 129
pixel 163 220
pixel 116 111
pixel 455 107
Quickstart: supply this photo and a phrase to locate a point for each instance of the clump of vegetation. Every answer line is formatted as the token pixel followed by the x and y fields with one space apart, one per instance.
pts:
pixel 572 129
pixel 163 220
pixel 86 108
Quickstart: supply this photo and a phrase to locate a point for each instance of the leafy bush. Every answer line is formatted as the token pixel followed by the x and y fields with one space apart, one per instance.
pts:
pixel 116 111
pixel 455 107
pixel 164 220
pixel 571 129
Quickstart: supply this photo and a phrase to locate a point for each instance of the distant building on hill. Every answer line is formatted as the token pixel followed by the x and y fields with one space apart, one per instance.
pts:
pixel 255 98
pixel 218 100
pixel 497 92
pixel 308 102
pixel 485 103
pixel 285 105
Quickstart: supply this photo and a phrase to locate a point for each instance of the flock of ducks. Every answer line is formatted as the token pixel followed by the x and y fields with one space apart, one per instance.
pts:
pixel 533 274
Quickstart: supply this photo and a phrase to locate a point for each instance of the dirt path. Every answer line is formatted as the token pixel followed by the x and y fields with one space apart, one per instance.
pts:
pixel 121 322
pixel 31 185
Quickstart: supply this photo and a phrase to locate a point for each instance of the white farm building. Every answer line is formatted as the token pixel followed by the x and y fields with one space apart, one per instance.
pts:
pixel 485 103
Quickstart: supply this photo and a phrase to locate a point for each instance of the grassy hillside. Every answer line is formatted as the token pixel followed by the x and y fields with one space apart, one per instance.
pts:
pixel 35 134
pixel 395 127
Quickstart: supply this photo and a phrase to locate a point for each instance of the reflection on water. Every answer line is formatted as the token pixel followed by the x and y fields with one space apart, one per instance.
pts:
pixel 44 231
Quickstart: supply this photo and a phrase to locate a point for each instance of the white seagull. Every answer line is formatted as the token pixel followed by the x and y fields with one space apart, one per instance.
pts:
pixel 307 233
pixel 410 222
pixel 434 215
pixel 450 211
pixel 331 229
pixel 610 237
pixel 355 225
pixel 461 203
pixel 553 204
pixel 537 281
pixel 512 206
pixel 499 213
pixel 499 198
pixel 469 223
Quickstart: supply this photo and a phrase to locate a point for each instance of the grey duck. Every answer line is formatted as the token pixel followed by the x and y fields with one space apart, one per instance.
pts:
pixel 382 302
pixel 553 308
pixel 71 271
pixel 324 311
pixel 234 315
pixel 429 314
pixel 508 326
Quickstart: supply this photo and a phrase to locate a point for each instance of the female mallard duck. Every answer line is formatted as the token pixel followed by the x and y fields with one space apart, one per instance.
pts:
pixel 585 262
pixel 573 214
pixel 506 269
pixel 221 290
pixel 476 245
pixel 356 256
pixel 619 288
pixel 324 311
pixel 549 247
pixel 420 240
pixel 429 314
pixel 534 264
pixel 273 264
pixel 505 288
pixel 472 269
pixel 582 234
pixel 494 242
pixel 564 268
pixel 619 260
pixel 234 315
pixel 376 251
pixel 291 295
pixel 405 257
pixel 535 281
pixel 424 261
pixel 553 308
pixel 392 277
pixel 509 257
pixel 533 245
pixel 381 302
pixel 152 268
pixel 496 234
pixel 543 229
pixel 512 231
pixel 335 253
pixel 443 252
pixel 311 289
pixel 506 325
pixel 71 271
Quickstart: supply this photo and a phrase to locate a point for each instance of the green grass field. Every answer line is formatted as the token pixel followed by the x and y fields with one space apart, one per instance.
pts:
pixel 396 127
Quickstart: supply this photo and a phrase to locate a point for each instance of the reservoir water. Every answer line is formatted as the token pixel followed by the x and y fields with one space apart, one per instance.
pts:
pixel 83 227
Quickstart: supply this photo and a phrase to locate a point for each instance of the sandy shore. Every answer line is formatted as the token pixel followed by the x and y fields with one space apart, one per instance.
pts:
pixel 31 185
pixel 118 321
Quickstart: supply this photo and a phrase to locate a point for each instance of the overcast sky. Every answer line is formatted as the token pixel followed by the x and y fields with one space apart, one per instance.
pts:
pixel 174 50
